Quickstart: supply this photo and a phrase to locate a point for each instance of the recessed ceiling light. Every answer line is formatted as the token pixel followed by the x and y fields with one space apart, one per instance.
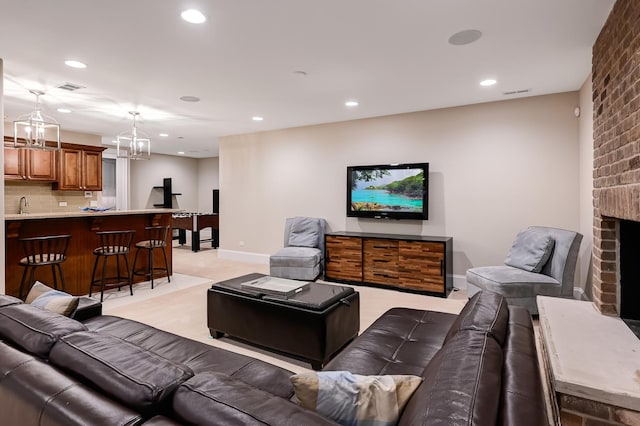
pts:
pixel 180 152
pixel 464 37
pixel 74 64
pixel 352 103
pixel 193 16
pixel 190 99
pixel 163 135
pixel 256 118
pixel 64 110
pixel 488 82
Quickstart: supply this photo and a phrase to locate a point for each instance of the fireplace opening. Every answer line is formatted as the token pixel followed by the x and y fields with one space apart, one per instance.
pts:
pixel 630 274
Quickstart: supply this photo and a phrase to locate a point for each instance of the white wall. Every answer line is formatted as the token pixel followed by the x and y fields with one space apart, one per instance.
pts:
pixel 207 182
pixel 586 187
pixel 145 174
pixel 495 168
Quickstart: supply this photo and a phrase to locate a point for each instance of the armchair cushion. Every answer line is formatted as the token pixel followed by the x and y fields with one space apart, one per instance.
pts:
pixel 304 232
pixel 296 257
pixel 513 282
pixel 530 250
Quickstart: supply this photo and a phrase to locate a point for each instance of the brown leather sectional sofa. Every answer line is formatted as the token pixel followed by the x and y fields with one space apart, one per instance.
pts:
pixel 479 368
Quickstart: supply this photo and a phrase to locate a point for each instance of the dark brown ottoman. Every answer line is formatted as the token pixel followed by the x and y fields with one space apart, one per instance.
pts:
pixel 312 325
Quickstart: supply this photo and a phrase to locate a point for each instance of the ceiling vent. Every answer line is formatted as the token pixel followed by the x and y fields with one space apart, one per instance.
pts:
pixel 516 92
pixel 70 87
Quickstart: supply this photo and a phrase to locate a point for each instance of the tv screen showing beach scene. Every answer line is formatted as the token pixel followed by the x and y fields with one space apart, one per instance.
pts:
pixel 396 191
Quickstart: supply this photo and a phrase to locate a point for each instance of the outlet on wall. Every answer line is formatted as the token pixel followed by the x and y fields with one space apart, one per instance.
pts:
pixel 87 194
pixel 93 203
pixel 62 204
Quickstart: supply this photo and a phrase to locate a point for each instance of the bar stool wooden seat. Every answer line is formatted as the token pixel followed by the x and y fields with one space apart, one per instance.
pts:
pixel 156 239
pixel 43 251
pixel 113 245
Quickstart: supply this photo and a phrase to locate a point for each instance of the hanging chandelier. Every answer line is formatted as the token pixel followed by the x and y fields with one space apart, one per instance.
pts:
pixel 134 144
pixel 35 129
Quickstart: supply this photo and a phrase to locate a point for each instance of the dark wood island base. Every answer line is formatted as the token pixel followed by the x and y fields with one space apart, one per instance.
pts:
pixel 82 227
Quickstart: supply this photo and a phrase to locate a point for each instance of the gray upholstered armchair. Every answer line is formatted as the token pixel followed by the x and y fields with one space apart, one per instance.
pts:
pixel 303 252
pixel 541 261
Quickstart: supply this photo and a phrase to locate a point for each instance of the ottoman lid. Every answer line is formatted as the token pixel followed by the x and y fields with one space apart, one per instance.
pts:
pixel 316 297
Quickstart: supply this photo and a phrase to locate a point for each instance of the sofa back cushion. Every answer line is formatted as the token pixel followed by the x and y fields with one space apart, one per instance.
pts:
pixel 461 384
pixel 138 378
pixel 6 300
pixel 33 329
pixel 522 394
pixel 32 392
pixel 486 312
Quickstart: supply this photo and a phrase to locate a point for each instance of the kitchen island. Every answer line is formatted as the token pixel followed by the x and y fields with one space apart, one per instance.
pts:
pixel 82 226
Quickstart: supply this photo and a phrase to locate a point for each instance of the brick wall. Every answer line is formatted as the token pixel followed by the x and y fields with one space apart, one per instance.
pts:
pixel 616 133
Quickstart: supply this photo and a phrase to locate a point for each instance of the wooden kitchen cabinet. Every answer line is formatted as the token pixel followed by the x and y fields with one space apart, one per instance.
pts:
pixel 29 164
pixel 80 169
pixel 405 262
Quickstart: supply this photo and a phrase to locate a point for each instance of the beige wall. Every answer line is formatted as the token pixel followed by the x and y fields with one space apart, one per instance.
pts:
pixel 495 168
pixel 144 175
pixel 586 188
pixel 208 180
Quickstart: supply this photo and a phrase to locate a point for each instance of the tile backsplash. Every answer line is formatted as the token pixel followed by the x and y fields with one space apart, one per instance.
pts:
pixel 42 199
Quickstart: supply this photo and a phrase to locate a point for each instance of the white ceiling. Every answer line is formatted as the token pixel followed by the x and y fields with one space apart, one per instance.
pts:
pixel 390 55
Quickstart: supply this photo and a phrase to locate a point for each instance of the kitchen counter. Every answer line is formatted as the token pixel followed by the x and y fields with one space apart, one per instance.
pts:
pixel 82 226
pixel 80 213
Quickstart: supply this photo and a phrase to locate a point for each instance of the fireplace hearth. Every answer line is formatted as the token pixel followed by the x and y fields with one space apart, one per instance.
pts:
pixel 629 255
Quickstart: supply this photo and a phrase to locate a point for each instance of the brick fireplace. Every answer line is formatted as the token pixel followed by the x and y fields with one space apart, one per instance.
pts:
pixel 616 138
pixel 592 359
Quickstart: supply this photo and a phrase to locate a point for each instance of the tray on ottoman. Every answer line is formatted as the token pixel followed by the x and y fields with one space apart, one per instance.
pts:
pixel 313 324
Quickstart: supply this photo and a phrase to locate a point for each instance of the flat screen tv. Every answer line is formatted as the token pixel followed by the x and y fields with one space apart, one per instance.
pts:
pixel 389 191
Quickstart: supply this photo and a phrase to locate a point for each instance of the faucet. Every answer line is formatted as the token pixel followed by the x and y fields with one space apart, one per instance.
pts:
pixel 23 209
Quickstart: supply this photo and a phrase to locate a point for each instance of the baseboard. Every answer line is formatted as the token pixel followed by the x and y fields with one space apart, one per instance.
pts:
pixel 579 294
pixel 243 256
pixel 460 282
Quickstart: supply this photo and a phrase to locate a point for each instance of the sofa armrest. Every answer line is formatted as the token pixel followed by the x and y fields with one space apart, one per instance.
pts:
pixel 217 396
pixel 87 308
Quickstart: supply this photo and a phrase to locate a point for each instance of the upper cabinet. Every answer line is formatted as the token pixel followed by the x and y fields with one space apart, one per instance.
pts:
pixel 29 164
pixel 79 169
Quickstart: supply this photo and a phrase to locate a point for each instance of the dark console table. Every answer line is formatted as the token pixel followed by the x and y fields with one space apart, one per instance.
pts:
pixel 312 325
pixel 196 222
pixel 405 262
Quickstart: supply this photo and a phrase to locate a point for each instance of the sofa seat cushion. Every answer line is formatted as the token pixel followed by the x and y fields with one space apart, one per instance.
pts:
pixel 513 282
pixel 198 356
pixel 461 384
pixel 217 399
pixel 486 312
pixel 296 257
pixel 33 329
pixel 133 375
pixel 401 341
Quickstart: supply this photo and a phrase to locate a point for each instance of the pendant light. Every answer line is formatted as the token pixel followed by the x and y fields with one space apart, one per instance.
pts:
pixel 35 129
pixel 133 144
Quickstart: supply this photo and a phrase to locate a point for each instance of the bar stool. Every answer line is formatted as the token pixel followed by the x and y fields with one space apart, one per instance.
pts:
pixel 42 251
pixel 113 244
pixel 157 239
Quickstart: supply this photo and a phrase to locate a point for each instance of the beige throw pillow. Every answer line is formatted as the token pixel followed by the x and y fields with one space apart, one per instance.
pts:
pixel 352 399
pixel 45 297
